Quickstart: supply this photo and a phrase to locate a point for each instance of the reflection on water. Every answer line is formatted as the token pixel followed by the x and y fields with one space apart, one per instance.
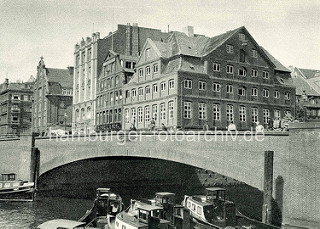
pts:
pixel 31 214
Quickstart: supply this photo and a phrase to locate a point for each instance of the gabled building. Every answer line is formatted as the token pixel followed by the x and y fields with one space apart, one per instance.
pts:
pixel 114 70
pixel 191 80
pixel 15 108
pixel 307 82
pixel 52 106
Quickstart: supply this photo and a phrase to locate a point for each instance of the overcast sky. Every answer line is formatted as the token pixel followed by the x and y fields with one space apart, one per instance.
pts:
pixel 288 29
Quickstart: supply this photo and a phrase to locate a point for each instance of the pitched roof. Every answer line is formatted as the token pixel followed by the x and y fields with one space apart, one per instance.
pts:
pixel 163 48
pixel 278 65
pixel 61 76
pixel 310 73
pixel 302 85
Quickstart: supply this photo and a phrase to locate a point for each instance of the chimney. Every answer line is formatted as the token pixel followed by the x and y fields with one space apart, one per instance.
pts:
pixel 70 68
pixel 188 30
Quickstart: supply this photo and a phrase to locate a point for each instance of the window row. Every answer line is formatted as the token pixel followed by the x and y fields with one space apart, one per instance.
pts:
pixel 217 87
pixel 109 98
pixel 147 70
pixel 109 116
pixel 242 71
pixel 149 112
pixel 147 89
pixel 109 82
pixel 229 112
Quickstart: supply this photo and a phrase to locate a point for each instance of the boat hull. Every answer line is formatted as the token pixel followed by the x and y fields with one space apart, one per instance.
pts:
pixel 17 195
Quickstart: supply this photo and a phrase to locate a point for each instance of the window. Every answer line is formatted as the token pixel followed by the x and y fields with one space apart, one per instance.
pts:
pixel 199 210
pixel 147 114
pixel 111 96
pixel 229 112
pixel 133 92
pixel 148 53
pixel 265 116
pixel 188 84
pixel 127 116
pixel 216 67
pixel 140 72
pixel 170 105
pixel 254 53
pixel 202 85
pixel 242 71
pixel 242 114
pixel 139 114
pixel 162 111
pixel 163 86
pixel 155 88
pixel 276 94
pixel 229 49
pixel 242 37
pixel 155 68
pixel 229 69
pixel 148 70
pixel 254 114
pixel 287 112
pixel 216 87
pixel 127 93
pixel 216 111
pixel 229 88
pixel 129 64
pixel 133 114
pixel 265 75
pixel 241 91
pixel 242 56
pixel 287 95
pixel 254 73
pixel 202 111
pixel 147 89
pixel 140 92
pixel 155 112
pixel 277 113
pixel 254 91
pixel 16 97
pixel 265 93
pixel 171 84
pixel 187 110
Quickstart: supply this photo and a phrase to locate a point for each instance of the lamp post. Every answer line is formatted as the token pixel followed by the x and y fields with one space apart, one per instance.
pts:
pixel 65 120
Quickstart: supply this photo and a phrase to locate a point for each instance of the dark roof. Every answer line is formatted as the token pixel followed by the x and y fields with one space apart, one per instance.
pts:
pixel 310 73
pixel 278 65
pixel 61 76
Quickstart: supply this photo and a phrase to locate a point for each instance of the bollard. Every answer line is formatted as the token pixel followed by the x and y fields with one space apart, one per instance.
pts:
pixel 267 187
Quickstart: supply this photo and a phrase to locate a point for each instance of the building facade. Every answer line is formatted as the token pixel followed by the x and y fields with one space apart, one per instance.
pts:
pixel 190 80
pixel 52 107
pixel 15 108
pixel 307 82
pixel 108 63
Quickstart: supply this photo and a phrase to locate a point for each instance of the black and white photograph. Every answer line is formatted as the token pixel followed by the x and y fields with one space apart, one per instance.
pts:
pixel 145 114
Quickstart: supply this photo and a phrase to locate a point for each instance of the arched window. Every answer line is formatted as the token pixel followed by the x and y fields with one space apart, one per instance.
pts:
pixel 88 112
pixel 242 56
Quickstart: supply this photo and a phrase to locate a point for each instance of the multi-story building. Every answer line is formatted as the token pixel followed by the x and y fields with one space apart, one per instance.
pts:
pixel 52 107
pixel 89 57
pixel 307 82
pixel 117 70
pixel 15 107
pixel 190 80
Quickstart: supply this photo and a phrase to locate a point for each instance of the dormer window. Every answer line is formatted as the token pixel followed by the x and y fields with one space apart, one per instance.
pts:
pixel 140 72
pixel 155 68
pixel 229 48
pixel 148 70
pixel 148 53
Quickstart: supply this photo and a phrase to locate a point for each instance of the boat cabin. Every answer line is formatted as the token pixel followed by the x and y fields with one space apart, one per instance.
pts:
pixel 8 176
pixel 163 198
pixel 214 194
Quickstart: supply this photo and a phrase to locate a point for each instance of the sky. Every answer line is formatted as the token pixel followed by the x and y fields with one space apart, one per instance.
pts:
pixel 288 29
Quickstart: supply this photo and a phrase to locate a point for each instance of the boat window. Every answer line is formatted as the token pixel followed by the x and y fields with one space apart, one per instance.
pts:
pixel 189 204
pixel 123 227
pixel 155 213
pixel 0 185
pixel 193 207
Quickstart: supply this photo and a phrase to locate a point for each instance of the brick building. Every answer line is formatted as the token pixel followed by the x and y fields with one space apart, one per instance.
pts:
pixel 15 108
pixel 117 70
pixel 307 82
pixel 189 80
pixel 52 107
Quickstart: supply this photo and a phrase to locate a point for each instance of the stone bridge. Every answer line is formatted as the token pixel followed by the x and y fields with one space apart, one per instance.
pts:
pixel 296 160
